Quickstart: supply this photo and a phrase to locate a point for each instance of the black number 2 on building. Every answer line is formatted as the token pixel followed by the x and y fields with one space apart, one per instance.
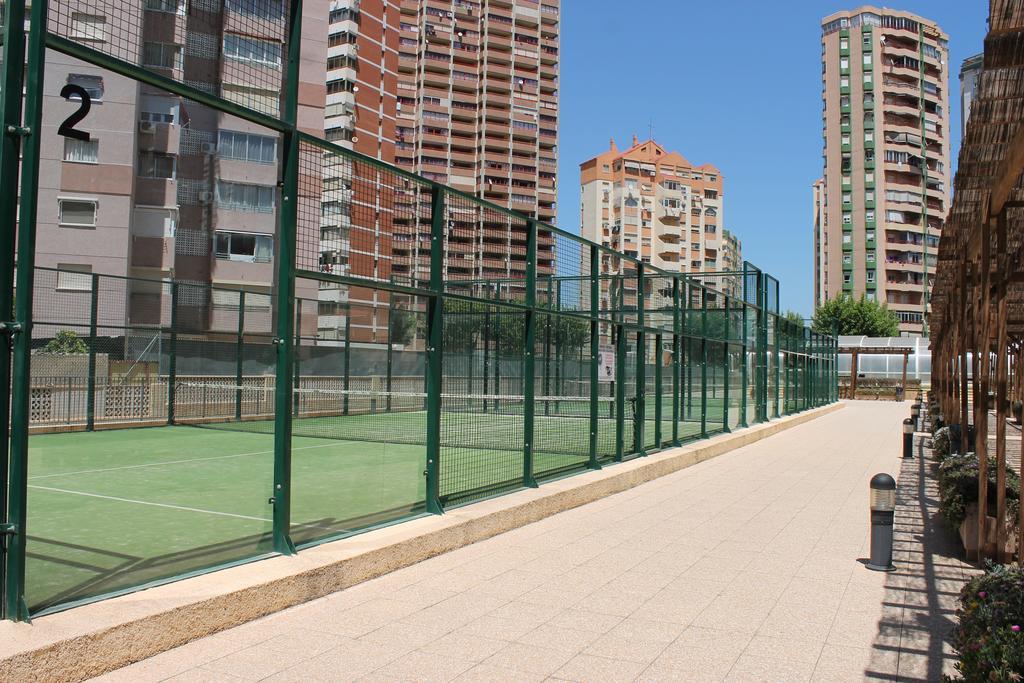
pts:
pixel 67 129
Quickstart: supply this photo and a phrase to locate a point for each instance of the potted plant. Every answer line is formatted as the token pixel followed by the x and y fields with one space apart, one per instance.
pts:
pixel 958 491
pixel 989 638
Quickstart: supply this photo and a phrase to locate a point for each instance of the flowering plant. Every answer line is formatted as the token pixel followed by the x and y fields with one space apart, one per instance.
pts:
pixel 989 639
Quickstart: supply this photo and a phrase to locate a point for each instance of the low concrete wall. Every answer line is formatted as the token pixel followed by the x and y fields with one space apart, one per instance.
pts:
pixel 90 640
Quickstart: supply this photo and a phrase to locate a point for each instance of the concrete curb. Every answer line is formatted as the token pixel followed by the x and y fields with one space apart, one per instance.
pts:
pixel 94 639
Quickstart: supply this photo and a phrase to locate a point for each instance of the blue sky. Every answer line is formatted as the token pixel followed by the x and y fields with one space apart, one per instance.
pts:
pixel 735 83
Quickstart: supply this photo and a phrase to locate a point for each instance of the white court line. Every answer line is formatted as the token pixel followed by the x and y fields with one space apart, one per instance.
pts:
pixel 171 462
pixel 143 502
pixel 172 507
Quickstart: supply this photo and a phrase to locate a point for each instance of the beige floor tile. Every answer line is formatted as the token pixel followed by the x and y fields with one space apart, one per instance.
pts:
pixel 485 673
pixel 464 646
pixel 587 668
pixel 750 669
pixel 422 666
pixel 638 648
pixel 251 664
pixel 585 620
pixel 529 658
pixel 559 638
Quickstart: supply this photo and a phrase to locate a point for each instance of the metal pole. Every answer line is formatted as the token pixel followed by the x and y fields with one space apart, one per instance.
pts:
pixel 346 358
pixel 529 367
pixel 297 381
pixel 172 352
pixel 620 391
pixel 704 363
pixel 239 355
pixel 657 390
pixel 435 344
pixel 21 329
pixel 90 390
pixel 676 361
pixel 728 351
pixel 641 365
pixel 387 379
pixel 284 282
pixel 547 348
pixel 595 350
pixel 487 350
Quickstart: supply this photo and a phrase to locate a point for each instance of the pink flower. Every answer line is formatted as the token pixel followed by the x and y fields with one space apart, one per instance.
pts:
pixel 982 594
pixel 1015 628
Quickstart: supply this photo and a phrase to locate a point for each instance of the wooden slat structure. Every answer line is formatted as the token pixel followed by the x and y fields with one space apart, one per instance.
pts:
pixel 977 306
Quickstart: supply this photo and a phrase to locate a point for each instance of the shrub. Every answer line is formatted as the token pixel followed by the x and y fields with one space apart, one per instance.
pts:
pixel 66 342
pixel 989 640
pixel 958 488
pixel 940 443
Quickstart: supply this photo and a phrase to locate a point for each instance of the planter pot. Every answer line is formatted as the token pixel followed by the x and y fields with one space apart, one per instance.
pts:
pixel 969 534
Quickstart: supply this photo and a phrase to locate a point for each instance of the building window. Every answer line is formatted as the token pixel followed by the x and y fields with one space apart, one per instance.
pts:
pixel 869 176
pixel 844 82
pixel 710 194
pixel 76 277
pixel 869 136
pixel 244 197
pixel 245 247
pixel 156 117
pixel 171 6
pixel 844 63
pixel 847 198
pixel 77 212
pixel 156 165
pixel 869 196
pixel 870 296
pixel 847 239
pixel 847 259
pixel 869 216
pixel 866 59
pixel 91 84
pixel 867 77
pixel 81 151
pixel 847 219
pixel 162 55
pixel 869 235
pixel 847 278
pixel 88 26
pixel 844 43
pixel 264 9
pixel 252 49
pixel 871 276
pixel 261 149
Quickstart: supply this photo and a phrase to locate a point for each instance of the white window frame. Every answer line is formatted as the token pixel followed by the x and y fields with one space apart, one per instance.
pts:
pixel 72 143
pixel 170 55
pixel 83 200
pixel 96 31
pixel 74 277
pixel 228 255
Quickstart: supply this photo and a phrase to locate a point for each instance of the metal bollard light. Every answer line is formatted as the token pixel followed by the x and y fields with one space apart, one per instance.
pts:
pixel 908 438
pixel 883 512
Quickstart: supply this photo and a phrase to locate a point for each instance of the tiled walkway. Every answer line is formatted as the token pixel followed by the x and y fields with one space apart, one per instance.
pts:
pixel 742 568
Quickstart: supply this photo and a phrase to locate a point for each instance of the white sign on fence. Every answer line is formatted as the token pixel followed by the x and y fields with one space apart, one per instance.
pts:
pixel 606 364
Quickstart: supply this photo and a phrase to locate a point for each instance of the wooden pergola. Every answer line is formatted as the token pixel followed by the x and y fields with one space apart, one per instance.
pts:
pixel 857 351
pixel 977 317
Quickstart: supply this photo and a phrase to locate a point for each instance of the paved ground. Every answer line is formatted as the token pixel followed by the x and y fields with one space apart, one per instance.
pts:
pixel 742 568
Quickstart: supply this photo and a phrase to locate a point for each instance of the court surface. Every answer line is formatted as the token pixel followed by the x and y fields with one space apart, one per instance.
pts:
pixel 116 509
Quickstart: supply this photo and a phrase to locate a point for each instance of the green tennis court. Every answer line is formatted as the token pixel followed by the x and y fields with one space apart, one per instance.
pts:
pixel 119 508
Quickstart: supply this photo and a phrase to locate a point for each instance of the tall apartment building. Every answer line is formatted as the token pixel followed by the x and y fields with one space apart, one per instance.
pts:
pixel 656 206
pixel 885 77
pixel 970 70
pixel 478 110
pixel 820 242
pixel 166 188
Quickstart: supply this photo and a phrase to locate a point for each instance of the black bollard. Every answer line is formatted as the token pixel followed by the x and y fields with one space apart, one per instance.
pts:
pixel 883 512
pixel 908 438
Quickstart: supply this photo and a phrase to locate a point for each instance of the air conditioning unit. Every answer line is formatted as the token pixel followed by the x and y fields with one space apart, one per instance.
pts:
pixel 147 127
pixel 209 148
pixel 205 197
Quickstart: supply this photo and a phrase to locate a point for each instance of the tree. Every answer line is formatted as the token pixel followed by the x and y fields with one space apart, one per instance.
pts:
pixel 403 325
pixel 859 317
pixel 795 318
pixel 65 343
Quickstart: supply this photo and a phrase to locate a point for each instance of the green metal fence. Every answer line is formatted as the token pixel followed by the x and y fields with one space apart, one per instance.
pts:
pixel 408 349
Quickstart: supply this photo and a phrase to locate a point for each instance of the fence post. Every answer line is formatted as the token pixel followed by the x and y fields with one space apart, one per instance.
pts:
pixel 658 381
pixel 547 335
pixel 620 390
pixel 239 355
pixel 346 358
pixel 435 344
pixel 297 373
pixel 676 361
pixel 284 281
pixel 704 362
pixel 487 354
pixel 387 378
pixel 172 352
pixel 529 365
pixel 595 351
pixel 725 382
pixel 640 419
pixel 90 390
pixel 20 329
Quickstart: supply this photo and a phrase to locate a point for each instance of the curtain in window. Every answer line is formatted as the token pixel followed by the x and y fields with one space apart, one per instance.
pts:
pixel 264 249
pixel 84 151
